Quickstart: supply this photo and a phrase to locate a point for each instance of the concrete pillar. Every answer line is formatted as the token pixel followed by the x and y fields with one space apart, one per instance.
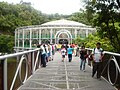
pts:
pixel 87 33
pixel 15 36
pixel 23 40
pixel 18 39
pixel 39 36
pixel 30 38
pixel 75 33
pixel 51 31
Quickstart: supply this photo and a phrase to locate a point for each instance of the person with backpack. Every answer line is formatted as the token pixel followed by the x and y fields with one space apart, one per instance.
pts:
pixel 83 56
pixel 97 55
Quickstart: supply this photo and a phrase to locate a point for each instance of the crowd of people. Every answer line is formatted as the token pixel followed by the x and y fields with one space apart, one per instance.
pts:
pixel 70 50
pixel 47 53
pixel 96 57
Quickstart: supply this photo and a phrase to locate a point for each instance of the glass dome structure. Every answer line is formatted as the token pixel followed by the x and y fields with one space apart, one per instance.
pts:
pixel 59 31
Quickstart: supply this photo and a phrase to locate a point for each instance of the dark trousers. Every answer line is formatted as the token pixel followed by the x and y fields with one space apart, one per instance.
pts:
pixel 82 64
pixel 43 60
pixel 70 57
pixel 96 68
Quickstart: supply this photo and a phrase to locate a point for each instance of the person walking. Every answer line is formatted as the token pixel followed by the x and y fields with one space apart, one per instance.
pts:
pixel 97 55
pixel 43 55
pixel 53 51
pixel 63 52
pixel 70 52
pixel 83 56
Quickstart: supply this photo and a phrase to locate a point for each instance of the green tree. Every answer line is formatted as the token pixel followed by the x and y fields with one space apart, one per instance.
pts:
pixel 91 40
pixel 107 13
pixel 6 43
pixel 81 17
pixel 13 16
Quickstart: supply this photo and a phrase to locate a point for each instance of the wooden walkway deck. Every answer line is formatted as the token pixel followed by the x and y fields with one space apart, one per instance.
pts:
pixel 64 76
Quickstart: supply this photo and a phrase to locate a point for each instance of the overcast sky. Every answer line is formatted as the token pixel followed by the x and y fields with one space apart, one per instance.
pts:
pixel 53 6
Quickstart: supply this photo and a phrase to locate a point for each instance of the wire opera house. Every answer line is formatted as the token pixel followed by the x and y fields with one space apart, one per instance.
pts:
pixel 55 32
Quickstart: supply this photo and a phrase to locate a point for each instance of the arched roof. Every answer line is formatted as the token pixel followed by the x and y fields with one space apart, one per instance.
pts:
pixel 63 22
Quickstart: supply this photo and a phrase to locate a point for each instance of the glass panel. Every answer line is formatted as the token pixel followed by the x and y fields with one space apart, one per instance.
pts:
pixel 16 43
pixel 20 43
pixel 35 34
pixel 27 43
pixel 16 34
pixel 35 43
pixel 26 34
pixel 83 34
pixel 63 35
pixel 20 34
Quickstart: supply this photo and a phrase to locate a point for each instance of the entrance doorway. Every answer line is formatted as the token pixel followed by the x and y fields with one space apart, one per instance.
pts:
pixel 63 37
pixel 63 41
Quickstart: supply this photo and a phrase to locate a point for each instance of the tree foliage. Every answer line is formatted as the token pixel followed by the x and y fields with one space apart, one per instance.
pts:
pixel 13 16
pixel 108 20
pixel 82 17
pixel 56 16
pixel 6 43
pixel 91 40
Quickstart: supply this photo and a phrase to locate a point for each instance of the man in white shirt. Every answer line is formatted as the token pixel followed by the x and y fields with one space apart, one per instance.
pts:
pixel 97 57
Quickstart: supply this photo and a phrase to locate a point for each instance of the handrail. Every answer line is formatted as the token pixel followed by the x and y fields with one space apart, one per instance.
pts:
pixel 34 62
pixel 106 52
pixel 17 54
pixel 16 73
pixel 111 53
pixel 117 70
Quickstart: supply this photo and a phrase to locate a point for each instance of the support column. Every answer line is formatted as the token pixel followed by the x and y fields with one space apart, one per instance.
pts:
pixel 18 39
pixel 51 31
pixel 30 38
pixel 5 85
pixel 39 36
pixel 56 41
pixel 23 39
pixel 87 33
pixel 75 33
pixel 15 37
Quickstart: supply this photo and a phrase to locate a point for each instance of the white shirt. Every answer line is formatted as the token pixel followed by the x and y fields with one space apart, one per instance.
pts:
pixel 43 49
pixel 47 49
pixel 50 48
pixel 63 51
pixel 97 54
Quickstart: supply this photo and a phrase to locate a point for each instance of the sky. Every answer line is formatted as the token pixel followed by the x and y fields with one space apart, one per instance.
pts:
pixel 65 7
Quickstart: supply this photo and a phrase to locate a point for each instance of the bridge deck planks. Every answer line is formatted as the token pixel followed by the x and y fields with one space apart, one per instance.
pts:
pixel 63 76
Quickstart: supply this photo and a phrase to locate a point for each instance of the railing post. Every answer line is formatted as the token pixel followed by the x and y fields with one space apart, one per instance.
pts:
pixel 33 62
pixel 5 74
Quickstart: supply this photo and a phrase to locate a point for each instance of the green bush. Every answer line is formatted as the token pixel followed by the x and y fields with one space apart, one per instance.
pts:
pixel 91 40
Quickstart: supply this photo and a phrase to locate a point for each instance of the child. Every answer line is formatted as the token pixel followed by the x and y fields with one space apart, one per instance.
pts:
pixel 63 52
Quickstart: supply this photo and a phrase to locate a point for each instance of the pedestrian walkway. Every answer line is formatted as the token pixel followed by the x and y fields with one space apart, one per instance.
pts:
pixel 64 76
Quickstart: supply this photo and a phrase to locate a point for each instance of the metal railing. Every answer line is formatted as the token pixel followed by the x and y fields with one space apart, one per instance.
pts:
pixel 30 60
pixel 111 67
